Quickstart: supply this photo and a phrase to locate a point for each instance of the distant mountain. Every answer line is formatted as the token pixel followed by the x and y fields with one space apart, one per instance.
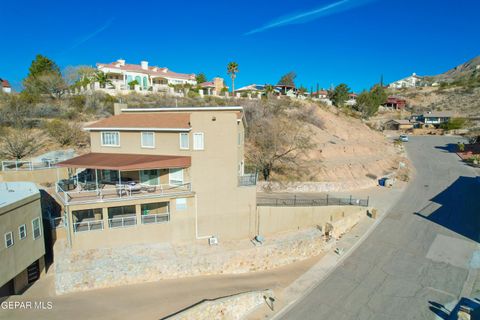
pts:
pixel 461 72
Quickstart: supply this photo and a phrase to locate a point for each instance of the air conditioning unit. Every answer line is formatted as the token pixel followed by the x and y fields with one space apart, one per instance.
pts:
pixel 213 241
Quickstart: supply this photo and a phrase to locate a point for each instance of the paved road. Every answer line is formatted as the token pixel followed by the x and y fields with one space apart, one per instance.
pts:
pixel 423 255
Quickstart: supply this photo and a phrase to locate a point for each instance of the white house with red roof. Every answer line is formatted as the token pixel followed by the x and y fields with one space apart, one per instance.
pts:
pixel 5 86
pixel 148 78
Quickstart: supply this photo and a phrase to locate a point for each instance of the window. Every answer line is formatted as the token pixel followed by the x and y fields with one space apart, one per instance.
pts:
pixel 22 231
pixel 184 143
pixel 8 240
pixel 175 177
pixel 36 228
pixel 148 140
pixel 181 203
pixel 240 138
pixel 111 139
pixel 198 141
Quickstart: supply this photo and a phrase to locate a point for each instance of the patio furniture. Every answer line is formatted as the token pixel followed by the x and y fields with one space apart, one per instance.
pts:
pixel 148 188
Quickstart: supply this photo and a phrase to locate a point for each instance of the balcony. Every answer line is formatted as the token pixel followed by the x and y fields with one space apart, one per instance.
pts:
pixel 71 192
pixel 246 180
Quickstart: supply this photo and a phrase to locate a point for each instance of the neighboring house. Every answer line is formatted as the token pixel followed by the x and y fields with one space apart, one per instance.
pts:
pixel 352 99
pixel 214 87
pixel 5 86
pixel 161 175
pixel 22 247
pixel 395 103
pixel 321 94
pixel 286 90
pixel 408 82
pixel 436 118
pixel 399 125
pixel 150 78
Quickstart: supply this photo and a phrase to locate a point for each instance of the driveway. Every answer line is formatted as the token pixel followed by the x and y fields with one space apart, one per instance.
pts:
pixel 423 255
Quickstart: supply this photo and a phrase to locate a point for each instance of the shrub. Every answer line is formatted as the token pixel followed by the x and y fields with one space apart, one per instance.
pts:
pixel 18 143
pixel 461 147
pixel 65 133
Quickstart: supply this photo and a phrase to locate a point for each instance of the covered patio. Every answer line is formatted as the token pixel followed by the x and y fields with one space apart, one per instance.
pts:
pixel 106 177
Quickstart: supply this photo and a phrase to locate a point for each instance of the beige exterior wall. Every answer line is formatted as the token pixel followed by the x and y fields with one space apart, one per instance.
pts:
pixel 272 220
pixel 15 259
pixel 223 209
pixel 38 176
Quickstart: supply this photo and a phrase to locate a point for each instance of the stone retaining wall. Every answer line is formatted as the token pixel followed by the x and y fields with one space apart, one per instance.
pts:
pixel 234 307
pixel 109 267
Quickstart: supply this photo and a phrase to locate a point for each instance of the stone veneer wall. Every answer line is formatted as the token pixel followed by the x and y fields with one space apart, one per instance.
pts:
pixel 234 307
pixel 109 267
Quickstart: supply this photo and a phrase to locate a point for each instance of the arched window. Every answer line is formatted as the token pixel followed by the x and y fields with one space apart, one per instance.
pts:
pixel 145 83
pixel 129 79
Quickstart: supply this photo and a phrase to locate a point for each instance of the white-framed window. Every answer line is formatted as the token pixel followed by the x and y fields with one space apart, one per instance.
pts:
pixel 175 176
pixel 37 232
pixel 111 138
pixel 198 141
pixel 184 143
pixel 181 204
pixel 148 139
pixel 22 231
pixel 8 239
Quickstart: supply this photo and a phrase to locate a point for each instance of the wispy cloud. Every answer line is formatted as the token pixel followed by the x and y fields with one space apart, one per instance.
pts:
pixel 310 15
pixel 89 36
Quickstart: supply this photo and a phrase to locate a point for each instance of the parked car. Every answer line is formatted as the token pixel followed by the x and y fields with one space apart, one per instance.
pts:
pixel 403 138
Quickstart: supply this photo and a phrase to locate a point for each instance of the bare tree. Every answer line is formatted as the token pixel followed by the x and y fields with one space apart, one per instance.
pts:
pixel 18 143
pixel 278 140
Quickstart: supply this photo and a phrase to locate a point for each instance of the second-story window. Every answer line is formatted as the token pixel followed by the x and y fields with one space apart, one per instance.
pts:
pixel 148 139
pixel 198 141
pixel 111 139
pixel 184 143
pixel 22 231
pixel 36 228
pixel 8 240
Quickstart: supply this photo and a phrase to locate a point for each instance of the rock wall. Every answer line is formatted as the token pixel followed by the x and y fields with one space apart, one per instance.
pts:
pixel 109 267
pixel 232 308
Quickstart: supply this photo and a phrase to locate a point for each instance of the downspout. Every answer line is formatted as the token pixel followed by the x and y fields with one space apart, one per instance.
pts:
pixel 196 222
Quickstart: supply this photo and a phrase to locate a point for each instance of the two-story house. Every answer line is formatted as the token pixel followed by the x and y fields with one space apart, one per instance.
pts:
pixel 22 248
pixel 436 118
pixel 160 175
pixel 153 78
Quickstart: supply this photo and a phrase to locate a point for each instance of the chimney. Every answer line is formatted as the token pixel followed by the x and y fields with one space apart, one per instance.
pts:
pixel 121 62
pixel 144 65
pixel 117 108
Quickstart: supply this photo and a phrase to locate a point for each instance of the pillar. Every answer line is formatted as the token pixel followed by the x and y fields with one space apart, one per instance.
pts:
pixel 138 213
pixel 105 218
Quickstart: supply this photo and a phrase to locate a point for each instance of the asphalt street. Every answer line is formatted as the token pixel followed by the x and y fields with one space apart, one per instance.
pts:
pixel 422 256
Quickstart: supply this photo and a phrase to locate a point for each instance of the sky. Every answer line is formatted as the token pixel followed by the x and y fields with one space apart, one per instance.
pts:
pixel 325 42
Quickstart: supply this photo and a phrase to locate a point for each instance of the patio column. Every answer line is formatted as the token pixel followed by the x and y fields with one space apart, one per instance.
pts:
pixel 120 183
pixel 138 213
pixel 105 218
pixel 96 179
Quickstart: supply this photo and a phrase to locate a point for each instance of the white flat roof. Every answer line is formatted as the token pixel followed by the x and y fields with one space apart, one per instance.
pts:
pixel 170 109
pixel 11 192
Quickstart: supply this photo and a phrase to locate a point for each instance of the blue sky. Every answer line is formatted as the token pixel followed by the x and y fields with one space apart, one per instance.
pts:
pixel 325 42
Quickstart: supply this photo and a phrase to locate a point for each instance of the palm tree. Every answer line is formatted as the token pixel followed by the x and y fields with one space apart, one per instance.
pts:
pixel 232 70
pixel 102 79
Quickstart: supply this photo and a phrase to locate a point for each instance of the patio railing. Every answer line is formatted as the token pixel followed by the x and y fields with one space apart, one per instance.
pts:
pixel 249 179
pixel 58 222
pixel 89 193
pixel 17 165
pixel 122 222
pixel 155 218
pixel 88 225
pixel 326 201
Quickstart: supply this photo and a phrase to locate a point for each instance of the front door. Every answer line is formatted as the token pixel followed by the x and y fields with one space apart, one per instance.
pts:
pixel 149 177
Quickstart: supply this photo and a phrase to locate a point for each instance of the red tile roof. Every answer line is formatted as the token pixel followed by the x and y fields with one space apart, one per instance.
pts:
pixel 5 83
pixel 152 70
pixel 122 161
pixel 207 84
pixel 163 120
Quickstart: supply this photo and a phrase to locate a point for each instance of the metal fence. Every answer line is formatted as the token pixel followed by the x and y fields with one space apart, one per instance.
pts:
pixel 301 202
pixel 248 179
pixel 17 165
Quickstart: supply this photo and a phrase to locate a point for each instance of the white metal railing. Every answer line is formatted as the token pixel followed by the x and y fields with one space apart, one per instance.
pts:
pixel 122 222
pixel 88 225
pixel 248 179
pixel 155 218
pixel 58 222
pixel 118 191
pixel 18 165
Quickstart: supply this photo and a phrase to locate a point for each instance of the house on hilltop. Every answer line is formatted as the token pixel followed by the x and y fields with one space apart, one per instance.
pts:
pixel 5 86
pixel 408 82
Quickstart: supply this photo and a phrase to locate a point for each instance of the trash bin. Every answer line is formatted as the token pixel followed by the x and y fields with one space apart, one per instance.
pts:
pixel 381 182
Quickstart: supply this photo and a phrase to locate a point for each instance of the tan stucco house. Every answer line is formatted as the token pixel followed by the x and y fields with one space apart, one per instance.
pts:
pixel 22 248
pixel 160 175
